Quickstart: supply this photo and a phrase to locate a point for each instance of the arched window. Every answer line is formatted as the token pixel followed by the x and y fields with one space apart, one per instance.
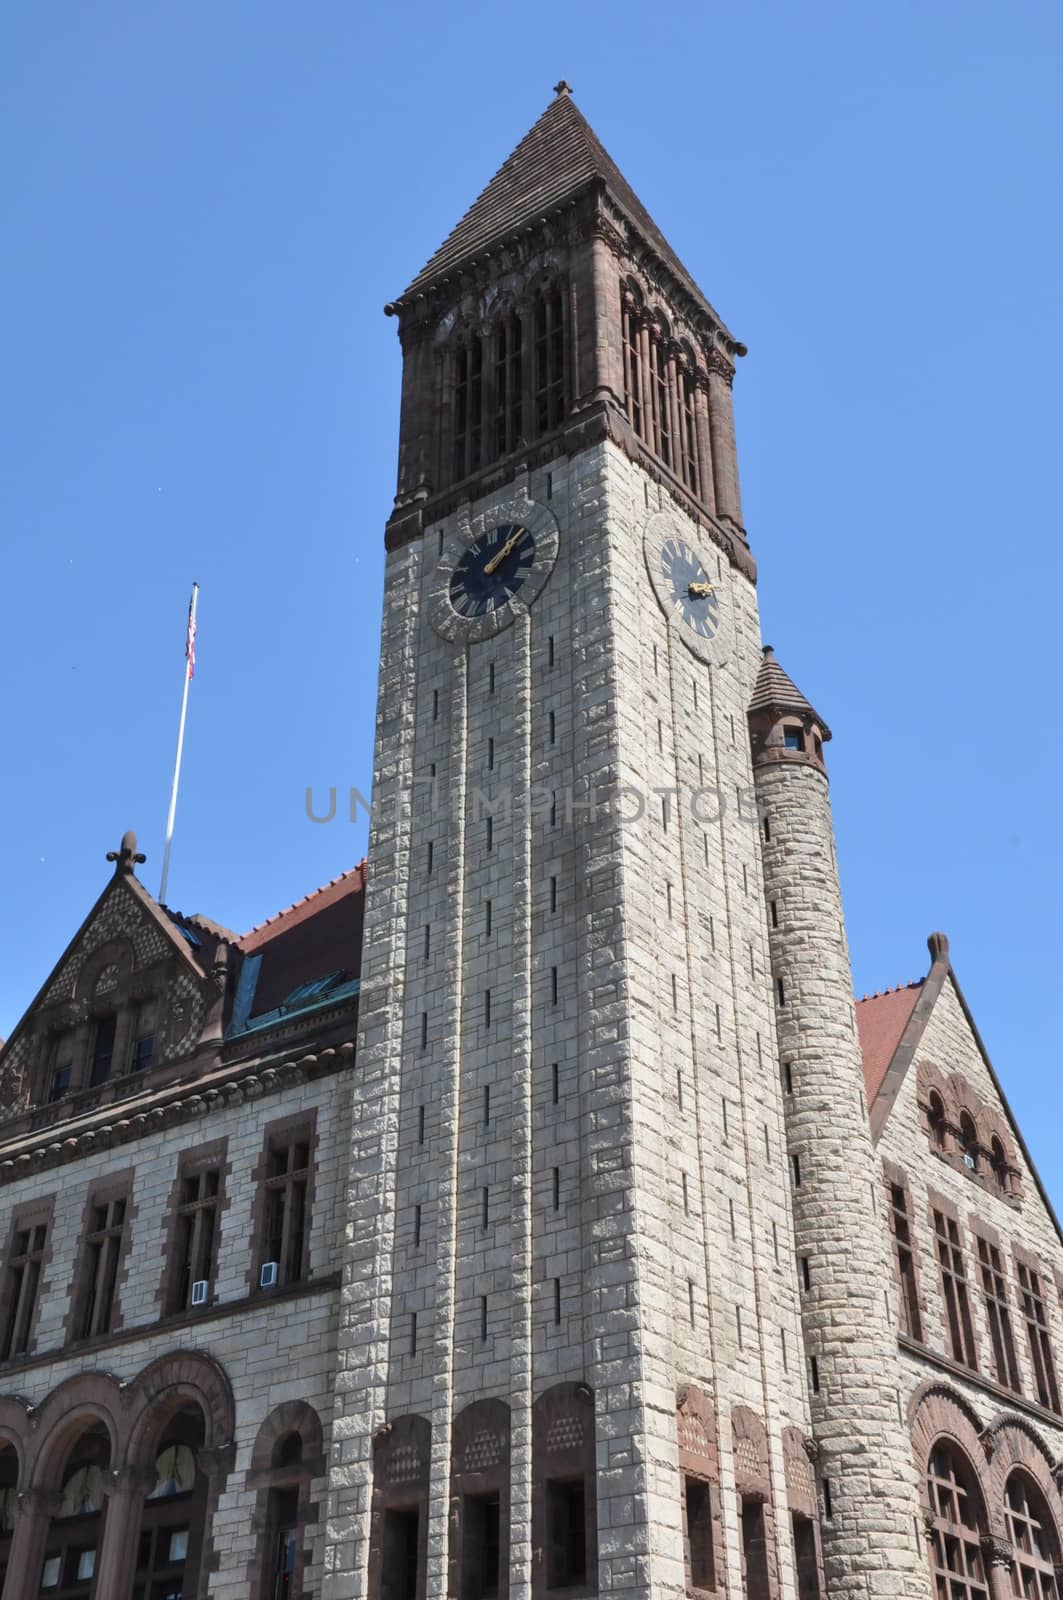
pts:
pixel 998 1161
pixel 968 1141
pixel 1032 1531
pixel 634 378
pixel 75 1532
pixel 398 1538
pixel 936 1117
pixel 479 1500
pixel 549 360
pixel 687 453
pixel 287 1454
pixel 564 1492
pixel 958 1523
pixel 171 1522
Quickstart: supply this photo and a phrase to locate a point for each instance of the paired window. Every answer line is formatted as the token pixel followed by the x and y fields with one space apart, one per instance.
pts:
pixel 660 393
pixel 998 1315
pixel 904 1254
pixel 283 1255
pixel 1035 1314
pixel 954 1290
pixel 194 1247
pixel 25 1262
pixel 508 384
pixel 101 1253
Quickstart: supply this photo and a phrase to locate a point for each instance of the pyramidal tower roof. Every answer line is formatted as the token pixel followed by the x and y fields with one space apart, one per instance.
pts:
pixel 775 690
pixel 558 158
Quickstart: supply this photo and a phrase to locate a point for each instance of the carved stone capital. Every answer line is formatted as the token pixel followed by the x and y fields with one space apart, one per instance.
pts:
pixel 998 1552
pixel 720 367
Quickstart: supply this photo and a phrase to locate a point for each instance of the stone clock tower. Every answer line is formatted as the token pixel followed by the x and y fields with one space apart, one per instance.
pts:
pixel 574 1355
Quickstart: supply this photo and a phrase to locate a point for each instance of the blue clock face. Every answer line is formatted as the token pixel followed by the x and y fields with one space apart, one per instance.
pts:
pixel 691 592
pixel 492 570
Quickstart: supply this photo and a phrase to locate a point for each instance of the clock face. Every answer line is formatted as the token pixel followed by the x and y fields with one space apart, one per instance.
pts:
pixel 690 591
pixel 491 571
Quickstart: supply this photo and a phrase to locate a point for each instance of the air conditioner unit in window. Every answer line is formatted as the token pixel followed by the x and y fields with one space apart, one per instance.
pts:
pixel 267 1277
pixel 200 1291
pixel 968 1161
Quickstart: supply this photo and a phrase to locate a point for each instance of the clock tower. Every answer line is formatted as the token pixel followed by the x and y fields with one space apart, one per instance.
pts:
pixel 575 1353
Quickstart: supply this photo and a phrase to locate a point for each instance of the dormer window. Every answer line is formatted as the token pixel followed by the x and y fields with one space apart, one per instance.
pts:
pixel 936 1118
pixel 143 1048
pixel 999 1163
pixel 102 1051
pixel 794 738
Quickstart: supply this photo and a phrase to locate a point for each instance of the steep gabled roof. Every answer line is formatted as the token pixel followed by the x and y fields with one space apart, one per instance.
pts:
pixel 556 160
pixel 881 1027
pixel 881 1020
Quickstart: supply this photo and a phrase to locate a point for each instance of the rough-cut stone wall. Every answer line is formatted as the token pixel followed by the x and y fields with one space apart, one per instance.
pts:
pixel 870 1541
pixel 936 1390
pixel 275 1352
pixel 586 1184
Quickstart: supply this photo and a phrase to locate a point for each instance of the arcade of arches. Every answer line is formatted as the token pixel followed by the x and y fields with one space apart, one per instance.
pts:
pixel 109 1489
pixel 991 1503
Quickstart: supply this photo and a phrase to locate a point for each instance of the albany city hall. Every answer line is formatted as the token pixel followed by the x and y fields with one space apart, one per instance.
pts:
pixel 531 1212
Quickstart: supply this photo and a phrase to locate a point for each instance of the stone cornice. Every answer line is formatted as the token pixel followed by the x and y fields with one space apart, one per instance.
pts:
pixel 183 1102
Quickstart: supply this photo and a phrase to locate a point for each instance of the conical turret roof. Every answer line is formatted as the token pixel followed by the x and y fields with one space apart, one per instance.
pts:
pixel 775 690
pixel 557 159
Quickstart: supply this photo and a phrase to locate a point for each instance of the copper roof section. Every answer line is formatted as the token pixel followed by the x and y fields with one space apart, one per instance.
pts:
pixel 881 1020
pixel 559 158
pixel 775 690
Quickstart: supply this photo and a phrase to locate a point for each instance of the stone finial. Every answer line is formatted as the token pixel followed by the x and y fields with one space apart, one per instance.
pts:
pixel 563 87
pixel 938 945
pixel 767 652
pixel 128 856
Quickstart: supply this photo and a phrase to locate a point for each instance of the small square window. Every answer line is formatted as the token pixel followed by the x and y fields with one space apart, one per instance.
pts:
pixel 794 738
pixel 86 1564
pixel 178 1545
pixel 50 1575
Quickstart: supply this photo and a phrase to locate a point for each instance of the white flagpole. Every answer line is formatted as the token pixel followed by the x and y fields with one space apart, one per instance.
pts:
pixel 190 660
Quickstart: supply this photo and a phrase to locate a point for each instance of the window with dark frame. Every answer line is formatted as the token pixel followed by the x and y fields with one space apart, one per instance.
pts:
pixel 566 1533
pixel 401 1541
pixel 196 1230
pixel 1035 1314
pixel 1034 1540
pixel 998 1315
pixel 755 1551
pixel 142 1049
pixel 481 1546
pixel 957 1525
pixel 285 1189
pixel 23 1276
pixel 697 1533
pixel 61 1071
pixel 102 1055
pixel 904 1255
pixel 283 1542
pixel 498 375
pixel 806 1560
pixel 958 1322
pixel 101 1252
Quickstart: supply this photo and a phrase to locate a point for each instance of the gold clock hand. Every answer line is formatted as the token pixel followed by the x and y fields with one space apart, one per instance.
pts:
pixel 511 544
pixel 700 591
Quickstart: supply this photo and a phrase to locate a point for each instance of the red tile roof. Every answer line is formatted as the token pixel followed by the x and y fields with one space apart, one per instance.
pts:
pixel 319 934
pixel 881 1020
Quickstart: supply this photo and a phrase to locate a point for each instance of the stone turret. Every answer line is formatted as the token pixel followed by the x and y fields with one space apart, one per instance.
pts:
pixel 868 1489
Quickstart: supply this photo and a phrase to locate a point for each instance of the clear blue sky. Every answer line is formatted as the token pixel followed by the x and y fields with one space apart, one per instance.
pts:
pixel 205 209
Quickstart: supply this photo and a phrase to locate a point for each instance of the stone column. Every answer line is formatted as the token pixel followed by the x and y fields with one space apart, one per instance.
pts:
pixel 36 1508
pixel 707 489
pixel 999 1559
pixel 724 451
pixel 117 1559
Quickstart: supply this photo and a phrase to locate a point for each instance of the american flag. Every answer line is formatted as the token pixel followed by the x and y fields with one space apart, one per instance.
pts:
pixel 190 639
